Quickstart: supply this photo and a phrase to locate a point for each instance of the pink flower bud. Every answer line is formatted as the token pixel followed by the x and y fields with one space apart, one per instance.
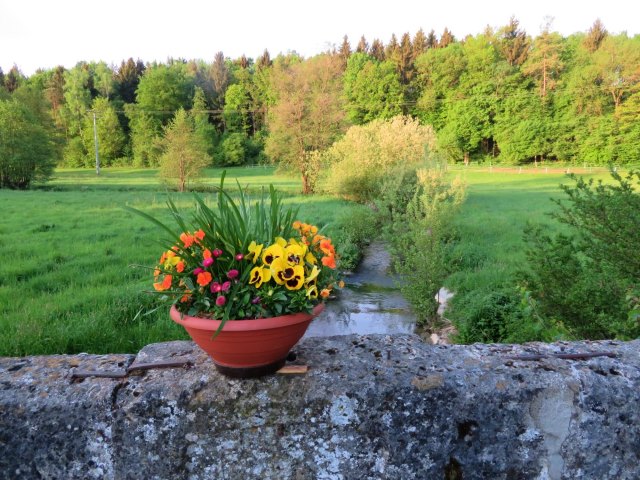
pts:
pixel 239 257
pixel 197 271
pixel 207 262
pixel 231 274
pixel 221 300
pixel 226 286
pixel 217 252
pixel 215 287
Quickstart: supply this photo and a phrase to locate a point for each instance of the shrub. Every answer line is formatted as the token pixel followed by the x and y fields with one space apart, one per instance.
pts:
pixel 420 237
pixel 354 231
pixel 26 151
pixel 367 154
pixel 587 278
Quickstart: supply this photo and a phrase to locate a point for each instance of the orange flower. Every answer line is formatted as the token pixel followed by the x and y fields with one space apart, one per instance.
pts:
pixel 165 285
pixel 199 234
pixel 204 278
pixel 297 224
pixel 206 253
pixel 187 239
pixel 329 261
pixel 180 267
pixel 185 297
pixel 341 284
pixel 325 292
pixel 326 247
pixel 156 273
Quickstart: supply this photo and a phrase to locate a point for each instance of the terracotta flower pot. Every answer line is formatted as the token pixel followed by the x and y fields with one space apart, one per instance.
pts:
pixel 247 348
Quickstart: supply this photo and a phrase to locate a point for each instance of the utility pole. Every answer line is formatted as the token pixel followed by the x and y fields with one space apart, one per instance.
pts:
pixel 95 141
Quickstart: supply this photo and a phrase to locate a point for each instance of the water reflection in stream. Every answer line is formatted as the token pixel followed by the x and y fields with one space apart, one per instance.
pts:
pixel 369 303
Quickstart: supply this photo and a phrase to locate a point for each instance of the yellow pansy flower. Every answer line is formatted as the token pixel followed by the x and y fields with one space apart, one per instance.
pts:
pixel 255 249
pixel 271 253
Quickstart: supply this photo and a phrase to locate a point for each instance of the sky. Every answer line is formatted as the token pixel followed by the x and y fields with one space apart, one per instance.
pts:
pixel 45 33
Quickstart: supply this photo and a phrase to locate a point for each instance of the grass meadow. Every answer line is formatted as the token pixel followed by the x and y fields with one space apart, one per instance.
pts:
pixel 66 280
pixel 489 251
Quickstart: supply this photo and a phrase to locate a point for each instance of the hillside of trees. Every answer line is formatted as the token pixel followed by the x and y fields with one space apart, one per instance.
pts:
pixel 501 96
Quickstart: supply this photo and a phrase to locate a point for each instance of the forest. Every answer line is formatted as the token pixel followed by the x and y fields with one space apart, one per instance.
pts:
pixel 501 96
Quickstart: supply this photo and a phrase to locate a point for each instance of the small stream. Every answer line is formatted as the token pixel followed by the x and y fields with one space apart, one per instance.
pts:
pixel 369 303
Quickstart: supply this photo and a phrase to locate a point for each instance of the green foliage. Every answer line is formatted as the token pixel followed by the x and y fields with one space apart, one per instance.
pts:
pixel 184 155
pixel 584 279
pixel 367 154
pixel 504 315
pixel 231 151
pixel 26 152
pixel 307 115
pixel 163 89
pixel 420 238
pixel 237 108
pixel 144 135
pixel 372 89
pixel 111 139
pixel 355 229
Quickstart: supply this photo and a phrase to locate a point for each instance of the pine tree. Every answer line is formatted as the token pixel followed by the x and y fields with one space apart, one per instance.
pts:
pixel 377 50
pixel 595 36
pixel 54 93
pixel 243 62
pixel 446 39
pixel 264 60
pixel 392 47
pixel 13 79
pixel 544 62
pixel 419 44
pixel 514 43
pixel 127 79
pixel 345 51
pixel 404 59
pixel 219 77
pixel 432 40
pixel 363 46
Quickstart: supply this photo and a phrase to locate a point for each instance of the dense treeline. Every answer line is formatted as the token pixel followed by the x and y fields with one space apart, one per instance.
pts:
pixel 501 96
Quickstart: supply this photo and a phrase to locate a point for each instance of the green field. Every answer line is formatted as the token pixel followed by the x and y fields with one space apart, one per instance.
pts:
pixel 66 281
pixel 489 250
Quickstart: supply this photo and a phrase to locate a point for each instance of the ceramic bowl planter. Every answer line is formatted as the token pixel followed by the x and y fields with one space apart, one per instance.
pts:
pixel 247 348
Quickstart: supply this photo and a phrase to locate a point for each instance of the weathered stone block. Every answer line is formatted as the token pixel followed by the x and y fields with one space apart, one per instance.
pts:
pixel 370 407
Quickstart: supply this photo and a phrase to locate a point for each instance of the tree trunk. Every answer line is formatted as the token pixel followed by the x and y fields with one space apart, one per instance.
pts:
pixel 306 188
pixel 466 158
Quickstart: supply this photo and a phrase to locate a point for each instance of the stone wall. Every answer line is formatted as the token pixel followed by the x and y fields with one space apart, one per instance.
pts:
pixel 370 407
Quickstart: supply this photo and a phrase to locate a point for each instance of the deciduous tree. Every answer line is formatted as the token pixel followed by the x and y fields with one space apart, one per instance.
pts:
pixel 307 115
pixel 183 154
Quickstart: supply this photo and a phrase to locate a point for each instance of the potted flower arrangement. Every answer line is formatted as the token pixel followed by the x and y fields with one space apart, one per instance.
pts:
pixel 244 279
